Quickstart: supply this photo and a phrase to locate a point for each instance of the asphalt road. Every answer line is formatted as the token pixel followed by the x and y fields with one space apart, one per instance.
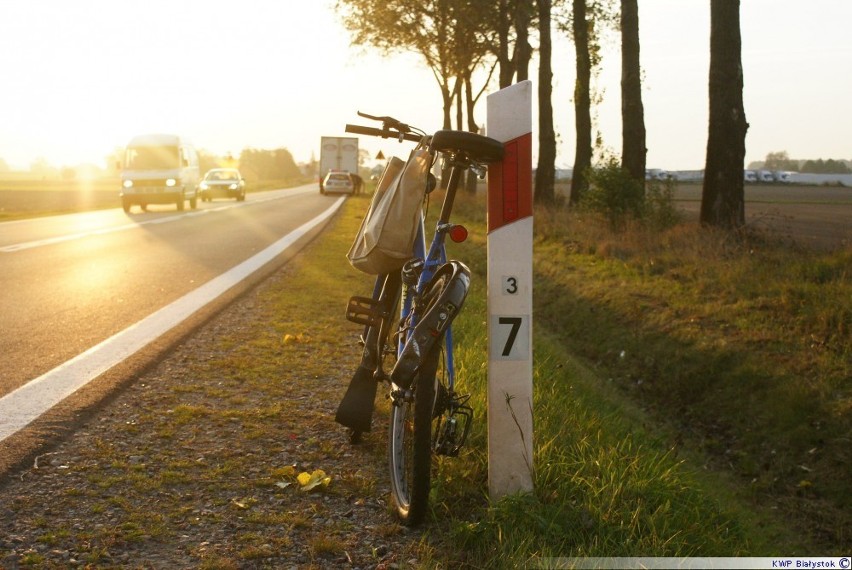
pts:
pixel 69 282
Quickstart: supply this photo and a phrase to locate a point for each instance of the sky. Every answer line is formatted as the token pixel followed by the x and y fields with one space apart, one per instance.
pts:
pixel 79 79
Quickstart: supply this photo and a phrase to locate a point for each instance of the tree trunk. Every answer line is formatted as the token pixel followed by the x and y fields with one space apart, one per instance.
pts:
pixel 457 95
pixel 545 172
pixel 507 70
pixel 472 181
pixel 722 199
pixel 447 98
pixel 582 103
pixel 632 111
pixel 523 50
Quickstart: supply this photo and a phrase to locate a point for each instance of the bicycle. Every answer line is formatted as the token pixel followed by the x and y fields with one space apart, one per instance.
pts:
pixel 407 324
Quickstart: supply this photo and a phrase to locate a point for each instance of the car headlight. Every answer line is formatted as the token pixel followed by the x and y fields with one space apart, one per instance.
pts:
pixel 232 187
pixel 204 186
pixel 171 182
pixel 127 184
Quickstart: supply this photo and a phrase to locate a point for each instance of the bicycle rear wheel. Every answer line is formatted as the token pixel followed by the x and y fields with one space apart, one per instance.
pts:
pixel 412 415
pixel 410 444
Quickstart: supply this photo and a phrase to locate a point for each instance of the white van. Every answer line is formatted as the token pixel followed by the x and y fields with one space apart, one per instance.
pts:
pixel 159 169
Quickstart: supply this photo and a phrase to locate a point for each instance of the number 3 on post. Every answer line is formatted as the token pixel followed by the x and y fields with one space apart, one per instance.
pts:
pixel 510 285
pixel 511 337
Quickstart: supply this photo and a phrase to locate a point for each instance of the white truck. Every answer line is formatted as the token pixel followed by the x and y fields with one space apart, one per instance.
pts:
pixel 338 154
pixel 766 176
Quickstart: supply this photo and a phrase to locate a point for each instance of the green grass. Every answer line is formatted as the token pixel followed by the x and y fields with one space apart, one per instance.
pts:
pixel 676 384
pixel 692 396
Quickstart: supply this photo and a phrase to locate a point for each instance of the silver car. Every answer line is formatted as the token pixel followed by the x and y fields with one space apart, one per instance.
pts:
pixel 338 182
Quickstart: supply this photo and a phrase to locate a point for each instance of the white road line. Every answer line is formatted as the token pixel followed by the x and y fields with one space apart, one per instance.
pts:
pixel 22 406
pixel 102 231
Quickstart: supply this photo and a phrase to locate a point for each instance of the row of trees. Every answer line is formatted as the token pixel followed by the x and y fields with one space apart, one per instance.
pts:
pixel 829 166
pixel 781 161
pixel 466 43
pixel 255 164
pixel 258 164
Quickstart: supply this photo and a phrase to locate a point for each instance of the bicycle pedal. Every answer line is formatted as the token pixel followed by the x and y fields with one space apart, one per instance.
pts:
pixel 363 311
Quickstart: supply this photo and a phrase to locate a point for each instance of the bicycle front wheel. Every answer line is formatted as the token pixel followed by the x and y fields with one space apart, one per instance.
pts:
pixel 410 444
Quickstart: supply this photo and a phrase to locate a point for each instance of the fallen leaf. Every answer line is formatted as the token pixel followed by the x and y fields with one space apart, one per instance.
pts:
pixel 313 480
pixel 296 339
pixel 286 471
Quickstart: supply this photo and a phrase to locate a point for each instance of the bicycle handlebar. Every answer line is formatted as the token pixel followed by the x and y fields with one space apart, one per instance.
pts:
pixel 383 133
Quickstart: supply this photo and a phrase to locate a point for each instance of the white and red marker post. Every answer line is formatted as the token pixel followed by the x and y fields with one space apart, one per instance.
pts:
pixel 510 249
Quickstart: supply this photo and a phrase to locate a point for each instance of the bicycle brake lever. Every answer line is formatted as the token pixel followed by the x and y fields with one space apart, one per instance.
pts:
pixel 387 122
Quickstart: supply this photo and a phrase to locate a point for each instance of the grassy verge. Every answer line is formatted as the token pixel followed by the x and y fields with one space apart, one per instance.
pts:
pixel 692 398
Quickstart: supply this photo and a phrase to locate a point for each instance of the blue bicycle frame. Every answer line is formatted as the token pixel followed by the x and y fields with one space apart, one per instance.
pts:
pixel 437 256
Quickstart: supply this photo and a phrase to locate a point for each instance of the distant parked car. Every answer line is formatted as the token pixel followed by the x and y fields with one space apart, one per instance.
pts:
pixel 749 176
pixel 223 183
pixel 338 182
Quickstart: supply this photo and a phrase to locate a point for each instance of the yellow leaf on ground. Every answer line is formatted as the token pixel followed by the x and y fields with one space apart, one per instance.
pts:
pixel 313 480
pixel 296 339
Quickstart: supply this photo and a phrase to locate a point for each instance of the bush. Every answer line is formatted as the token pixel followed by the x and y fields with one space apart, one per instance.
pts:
pixel 617 196
pixel 660 211
pixel 614 194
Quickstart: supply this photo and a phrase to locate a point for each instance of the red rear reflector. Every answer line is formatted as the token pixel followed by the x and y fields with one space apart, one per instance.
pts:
pixel 458 233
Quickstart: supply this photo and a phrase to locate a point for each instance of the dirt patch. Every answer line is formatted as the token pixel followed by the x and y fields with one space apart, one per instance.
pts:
pixel 818 226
